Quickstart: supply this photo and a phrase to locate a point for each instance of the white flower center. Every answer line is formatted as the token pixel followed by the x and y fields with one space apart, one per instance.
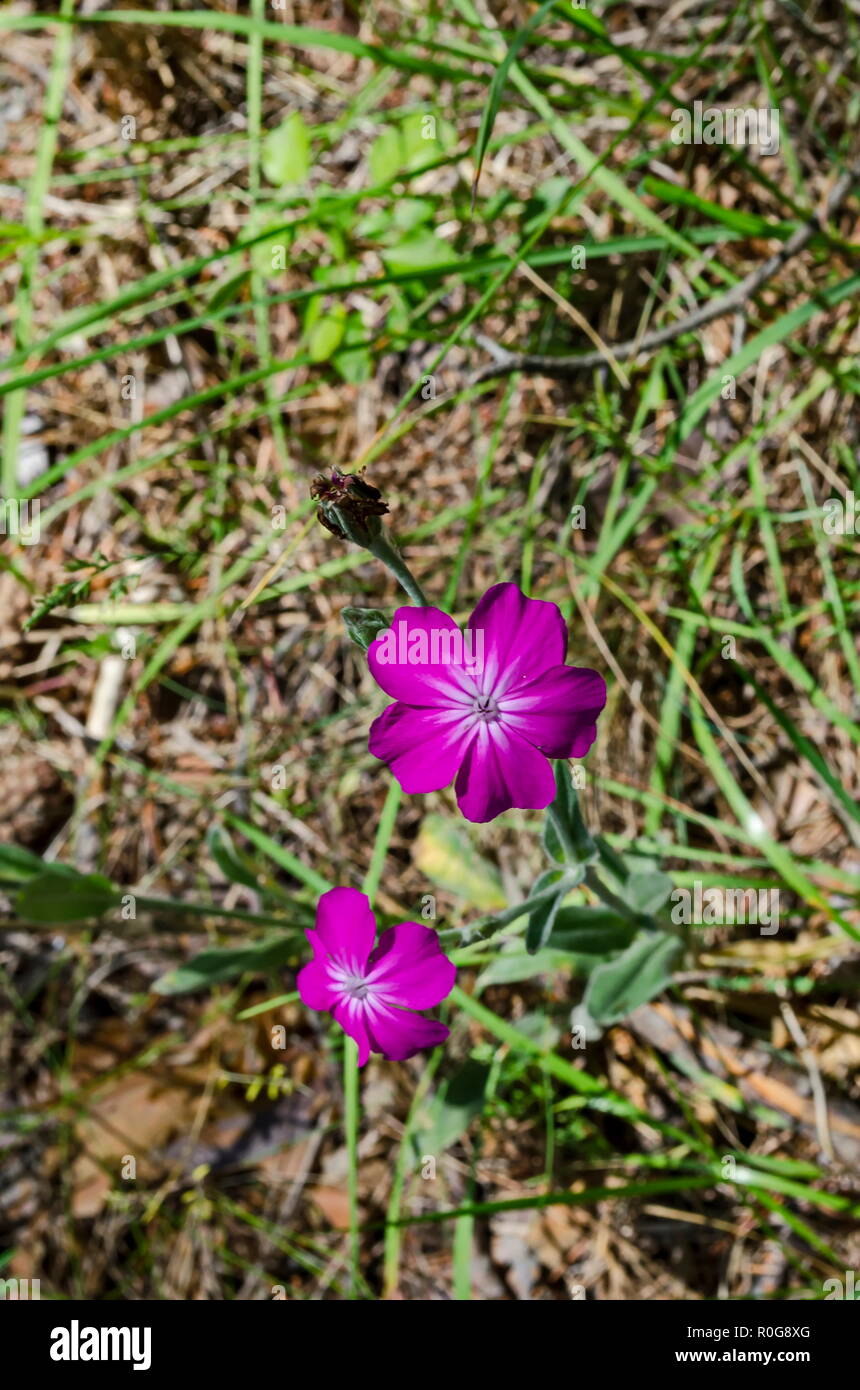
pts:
pixel 485 707
pixel 355 986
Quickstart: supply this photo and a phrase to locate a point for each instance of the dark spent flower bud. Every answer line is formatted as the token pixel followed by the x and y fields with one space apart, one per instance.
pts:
pixel 348 506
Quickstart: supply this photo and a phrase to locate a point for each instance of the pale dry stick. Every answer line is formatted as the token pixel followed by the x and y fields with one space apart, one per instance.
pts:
pixel 306 1165
pixel 822 1123
pixel 733 300
pixel 821 465
pixel 567 308
pixel 270 574
pixel 691 1218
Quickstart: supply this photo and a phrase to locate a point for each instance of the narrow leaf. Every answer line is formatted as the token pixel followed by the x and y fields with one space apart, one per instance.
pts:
pixel 497 87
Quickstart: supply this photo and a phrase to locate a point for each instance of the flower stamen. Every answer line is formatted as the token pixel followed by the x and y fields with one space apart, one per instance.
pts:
pixel 486 708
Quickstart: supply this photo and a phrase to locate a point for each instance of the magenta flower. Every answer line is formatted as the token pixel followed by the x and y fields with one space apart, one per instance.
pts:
pixel 369 989
pixel 489 706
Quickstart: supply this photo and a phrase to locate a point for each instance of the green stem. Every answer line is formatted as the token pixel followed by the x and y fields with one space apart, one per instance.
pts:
pixel 617 904
pixel 350 1125
pixel 581 848
pixel 391 1262
pixel 486 927
pixel 390 556
pixel 189 909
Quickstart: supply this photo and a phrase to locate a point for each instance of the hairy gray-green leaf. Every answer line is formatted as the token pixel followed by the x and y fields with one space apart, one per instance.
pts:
pixel 219 963
pixel 640 973
pixel 542 917
pixel 509 967
pixel 448 1114
pixel 589 933
pixel 565 835
pixel 647 892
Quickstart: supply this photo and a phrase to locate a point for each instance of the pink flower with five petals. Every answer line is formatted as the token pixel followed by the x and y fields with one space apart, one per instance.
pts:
pixel 494 725
pixel 373 990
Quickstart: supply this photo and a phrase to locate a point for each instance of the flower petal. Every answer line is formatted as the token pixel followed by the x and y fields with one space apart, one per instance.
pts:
pixel 521 637
pixel 421 659
pixel 411 965
pixel 423 747
pixel 352 1017
pixel 557 713
pixel 398 1034
pixel 501 770
pixel 315 986
pixel 345 928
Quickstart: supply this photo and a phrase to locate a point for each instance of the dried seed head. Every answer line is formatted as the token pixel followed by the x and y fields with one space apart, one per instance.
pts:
pixel 348 506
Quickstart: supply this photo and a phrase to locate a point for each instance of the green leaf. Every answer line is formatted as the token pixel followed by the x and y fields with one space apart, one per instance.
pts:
pixel 229 861
pixel 277 854
pixel 374 224
pixel 540 1029
pixel 446 854
pixel 581 939
pixel 229 290
pixel 640 973
pixel 510 967
pixel 497 87
pixel 807 749
pixel 647 892
pixel 353 360
pixel 617 868
pixel 413 142
pixel 565 837
pixel 385 159
pixel 411 213
pixel 451 1110
pixel 281 240
pixel 326 335
pixel 18 865
pixel 286 156
pixel 421 250
pixel 59 894
pixel 747 222
pixel 218 963
pixel 424 137
pixel 542 918
pixel 363 625
pixel 590 934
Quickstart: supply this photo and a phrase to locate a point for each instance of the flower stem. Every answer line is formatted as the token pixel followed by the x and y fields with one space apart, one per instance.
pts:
pixel 580 847
pixel 393 1230
pixel 485 927
pixel 382 548
pixel 350 1125
pixel 611 899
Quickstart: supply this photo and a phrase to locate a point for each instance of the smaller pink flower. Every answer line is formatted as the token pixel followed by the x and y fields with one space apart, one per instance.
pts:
pixel 372 990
